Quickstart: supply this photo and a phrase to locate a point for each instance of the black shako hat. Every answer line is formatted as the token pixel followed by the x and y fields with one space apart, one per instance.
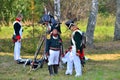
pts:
pixel 69 23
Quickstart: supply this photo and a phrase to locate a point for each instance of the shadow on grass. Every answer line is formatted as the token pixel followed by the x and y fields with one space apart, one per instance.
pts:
pixel 29 45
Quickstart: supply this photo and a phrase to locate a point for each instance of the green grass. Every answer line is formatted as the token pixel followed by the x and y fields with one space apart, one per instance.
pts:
pixel 96 70
pixel 6 32
pixel 103 33
pixel 29 43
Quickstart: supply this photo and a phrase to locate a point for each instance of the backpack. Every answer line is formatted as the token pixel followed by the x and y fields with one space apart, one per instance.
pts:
pixel 84 39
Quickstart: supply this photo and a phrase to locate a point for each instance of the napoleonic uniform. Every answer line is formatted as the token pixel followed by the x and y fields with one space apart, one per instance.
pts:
pixel 76 40
pixel 53 49
pixel 18 33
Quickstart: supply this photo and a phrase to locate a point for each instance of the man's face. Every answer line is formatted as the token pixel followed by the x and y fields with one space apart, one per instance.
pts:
pixel 55 31
pixel 71 28
pixel 20 18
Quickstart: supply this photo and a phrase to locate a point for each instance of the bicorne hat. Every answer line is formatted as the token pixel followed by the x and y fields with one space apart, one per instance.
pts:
pixel 69 23
pixel 46 18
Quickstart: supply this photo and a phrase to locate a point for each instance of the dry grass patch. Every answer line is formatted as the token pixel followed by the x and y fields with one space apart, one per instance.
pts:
pixel 102 57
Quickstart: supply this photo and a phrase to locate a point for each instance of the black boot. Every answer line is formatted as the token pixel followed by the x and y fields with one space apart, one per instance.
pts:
pixel 55 67
pixel 50 68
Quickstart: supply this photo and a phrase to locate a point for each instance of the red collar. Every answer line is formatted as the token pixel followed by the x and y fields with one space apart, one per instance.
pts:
pixel 55 35
pixel 17 19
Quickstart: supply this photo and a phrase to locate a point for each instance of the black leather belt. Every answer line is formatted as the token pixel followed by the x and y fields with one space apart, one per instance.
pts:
pixel 54 49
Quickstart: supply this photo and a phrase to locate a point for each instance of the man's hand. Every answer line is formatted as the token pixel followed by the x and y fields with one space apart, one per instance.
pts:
pixel 47 54
pixel 19 40
pixel 77 54
pixel 62 55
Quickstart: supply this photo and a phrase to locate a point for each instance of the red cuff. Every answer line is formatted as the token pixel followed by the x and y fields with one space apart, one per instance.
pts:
pixel 62 55
pixel 66 51
pixel 81 54
pixel 78 51
pixel 18 37
pixel 60 40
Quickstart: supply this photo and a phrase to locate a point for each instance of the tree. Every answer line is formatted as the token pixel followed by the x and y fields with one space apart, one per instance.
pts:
pixel 57 8
pixel 5 11
pixel 107 7
pixel 91 23
pixel 117 22
pixel 10 8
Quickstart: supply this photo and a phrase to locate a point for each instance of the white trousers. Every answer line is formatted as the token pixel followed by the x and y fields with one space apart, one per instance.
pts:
pixel 74 59
pixel 53 59
pixel 66 57
pixel 17 48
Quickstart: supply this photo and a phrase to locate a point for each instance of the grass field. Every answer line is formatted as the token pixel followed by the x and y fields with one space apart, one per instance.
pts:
pixel 99 67
pixel 103 64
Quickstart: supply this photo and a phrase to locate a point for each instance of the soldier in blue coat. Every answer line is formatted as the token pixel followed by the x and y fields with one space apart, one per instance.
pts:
pixel 53 45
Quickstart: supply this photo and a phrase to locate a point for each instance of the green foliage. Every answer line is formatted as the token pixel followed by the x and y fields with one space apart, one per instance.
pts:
pixel 102 9
pixel 6 6
pixel 107 7
pixel 10 8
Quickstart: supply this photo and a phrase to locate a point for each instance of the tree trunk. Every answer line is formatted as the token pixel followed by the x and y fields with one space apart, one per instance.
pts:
pixel 57 9
pixel 92 23
pixel 57 15
pixel 117 22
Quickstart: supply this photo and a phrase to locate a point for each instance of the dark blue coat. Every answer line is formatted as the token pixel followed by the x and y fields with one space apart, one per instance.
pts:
pixel 54 43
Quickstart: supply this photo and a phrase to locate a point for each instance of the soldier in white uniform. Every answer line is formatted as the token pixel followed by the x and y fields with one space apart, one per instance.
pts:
pixel 75 56
pixel 17 36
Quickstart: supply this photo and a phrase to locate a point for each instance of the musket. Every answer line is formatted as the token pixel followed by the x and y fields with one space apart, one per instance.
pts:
pixel 35 63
